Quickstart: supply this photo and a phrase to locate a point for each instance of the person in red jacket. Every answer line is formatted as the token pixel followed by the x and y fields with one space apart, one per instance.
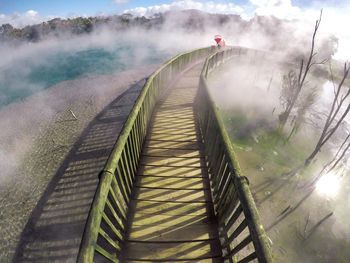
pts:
pixel 220 41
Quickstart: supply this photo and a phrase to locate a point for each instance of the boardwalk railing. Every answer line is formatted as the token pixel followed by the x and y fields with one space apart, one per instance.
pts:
pixel 239 224
pixel 242 235
pixel 105 228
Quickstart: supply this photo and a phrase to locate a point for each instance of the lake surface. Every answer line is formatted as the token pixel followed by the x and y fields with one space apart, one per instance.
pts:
pixel 25 76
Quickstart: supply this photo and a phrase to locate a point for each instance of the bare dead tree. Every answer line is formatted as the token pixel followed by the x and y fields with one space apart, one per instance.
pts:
pixel 335 116
pixel 317 225
pixel 296 84
pixel 288 93
pixel 334 163
pixel 305 104
pixel 340 155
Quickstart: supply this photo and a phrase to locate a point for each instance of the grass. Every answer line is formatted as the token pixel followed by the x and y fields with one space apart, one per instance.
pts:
pixel 259 145
pixel 265 158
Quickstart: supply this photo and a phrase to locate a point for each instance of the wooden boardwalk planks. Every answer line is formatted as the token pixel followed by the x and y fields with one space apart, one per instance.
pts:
pixel 171 214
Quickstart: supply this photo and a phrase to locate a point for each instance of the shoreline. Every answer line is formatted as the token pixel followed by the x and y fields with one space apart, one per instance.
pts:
pixel 40 132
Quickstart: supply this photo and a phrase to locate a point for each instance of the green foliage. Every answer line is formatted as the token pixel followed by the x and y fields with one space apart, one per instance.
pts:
pixel 261 145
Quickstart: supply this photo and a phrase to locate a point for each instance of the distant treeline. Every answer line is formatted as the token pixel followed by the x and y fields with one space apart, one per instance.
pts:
pixel 266 32
pixel 189 20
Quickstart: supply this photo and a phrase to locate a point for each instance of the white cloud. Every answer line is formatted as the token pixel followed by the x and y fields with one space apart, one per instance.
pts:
pixel 335 21
pixel 278 8
pixel 335 17
pixel 30 17
pixel 211 7
pixel 32 13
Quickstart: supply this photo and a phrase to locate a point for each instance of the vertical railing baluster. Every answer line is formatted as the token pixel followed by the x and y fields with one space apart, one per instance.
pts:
pixel 138 133
pixel 132 149
pixel 126 165
pixel 124 181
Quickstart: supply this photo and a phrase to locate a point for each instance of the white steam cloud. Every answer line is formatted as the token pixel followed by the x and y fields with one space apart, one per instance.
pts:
pixel 173 36
pixel 22 122
pixel 335 15
pixel 279 8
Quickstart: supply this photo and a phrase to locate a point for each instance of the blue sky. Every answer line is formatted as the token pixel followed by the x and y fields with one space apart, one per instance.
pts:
pixel 92 7
pixel 66 7
pixel 61 7
pixel 20 13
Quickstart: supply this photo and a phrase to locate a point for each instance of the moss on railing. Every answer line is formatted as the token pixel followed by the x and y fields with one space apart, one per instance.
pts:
pixel 227 180
pixel 105 227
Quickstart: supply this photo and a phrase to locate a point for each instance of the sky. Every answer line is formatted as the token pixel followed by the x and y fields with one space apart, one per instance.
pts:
pixel 20 13
pixel 65 8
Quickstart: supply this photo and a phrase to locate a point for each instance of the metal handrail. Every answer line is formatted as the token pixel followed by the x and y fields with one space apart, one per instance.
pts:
pixel 239 221
pixel 105 228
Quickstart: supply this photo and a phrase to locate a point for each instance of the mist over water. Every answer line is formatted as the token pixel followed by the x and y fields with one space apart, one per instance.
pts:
pixel 27 75
pixel 32 67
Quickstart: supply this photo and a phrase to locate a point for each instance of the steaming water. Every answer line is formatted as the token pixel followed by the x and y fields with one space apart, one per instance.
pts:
pixel 303 226
pixel 26 135
pixel 26 76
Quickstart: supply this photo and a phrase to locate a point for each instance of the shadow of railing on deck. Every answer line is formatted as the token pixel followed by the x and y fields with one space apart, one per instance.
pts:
pixel 57 223
pixel 179 187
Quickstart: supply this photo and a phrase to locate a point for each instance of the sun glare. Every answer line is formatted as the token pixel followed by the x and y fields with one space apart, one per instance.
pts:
pixel 328 185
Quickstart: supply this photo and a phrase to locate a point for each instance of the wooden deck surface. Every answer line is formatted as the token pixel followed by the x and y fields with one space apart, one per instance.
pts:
pixel 171 215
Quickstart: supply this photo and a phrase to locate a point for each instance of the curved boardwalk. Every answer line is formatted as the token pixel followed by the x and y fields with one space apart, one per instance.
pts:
pixel 171 216
pixel 54 231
